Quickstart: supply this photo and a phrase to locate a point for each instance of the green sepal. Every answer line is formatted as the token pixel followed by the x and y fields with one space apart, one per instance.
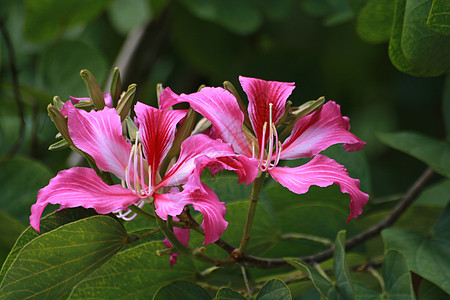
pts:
pixel 302 111
pixel 230 87
pixel 61 144
pixel 116 87
pixel 159 90
pixel 85 105
pixel 57 102
pixel 60 122
pixel 131 129
pixel 124 106
pixel 95 93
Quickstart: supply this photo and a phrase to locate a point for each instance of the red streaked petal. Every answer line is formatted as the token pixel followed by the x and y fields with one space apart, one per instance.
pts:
pixel 219 107
pixel 99 133
pixel 81 187
pixel 322 171
pixel 157 132
pixel 318 131
pixel 260 93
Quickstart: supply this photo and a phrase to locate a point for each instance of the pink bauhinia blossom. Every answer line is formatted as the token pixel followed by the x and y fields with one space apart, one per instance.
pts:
pixel 310 135
pixel 137 165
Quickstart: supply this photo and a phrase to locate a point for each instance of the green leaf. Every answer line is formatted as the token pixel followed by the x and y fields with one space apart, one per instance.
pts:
pixel 238 16
pixel 323 286
pixel 341 270
pixel 363 292
pixel 228 294
pixel 446 105
pixel 46 19
pixel 53 263
pixel 396 53
pixel 421 46
pixel 136 273
pixel 274 289
pixel 439 17
pixel 263 236
pixel 321 213
pixel 181 290
pixel 10 229
pixel 48 223
pixel 437 195
pixel 397 277
pixel 120 11
pixel 428 255
pixel 429 291
pixel 433 152
pixel 374 22
pixel 61 63
pixel 18 188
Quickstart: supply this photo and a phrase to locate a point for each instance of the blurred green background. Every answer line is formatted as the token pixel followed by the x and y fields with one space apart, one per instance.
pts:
pixel 332 48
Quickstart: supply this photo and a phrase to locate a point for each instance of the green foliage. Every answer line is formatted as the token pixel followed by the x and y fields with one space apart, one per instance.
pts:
pixel 433 152
pixel 414 48
pixel 181 290
pixel 375 21
pixel 134 273
pixel 188 43
pixel 41 17
pixel 235 15
pixel 228 294
pixel 63 59
pixel 427 255
pixel 397 278
pixel 342 273
pixel 274 289
pixel 126 15
pixel 439 17
pixel 51 265
pixel 15 176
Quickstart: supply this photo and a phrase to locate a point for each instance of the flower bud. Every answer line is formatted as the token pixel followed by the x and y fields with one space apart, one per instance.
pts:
pixel 302 111
pixel 60 122
pixel 95 93
pixel 116 87
pixel 124 106
pixel 230 87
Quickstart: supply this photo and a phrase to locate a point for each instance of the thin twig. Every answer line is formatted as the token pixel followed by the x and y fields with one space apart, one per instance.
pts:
pixel 247 286
pixel 16 90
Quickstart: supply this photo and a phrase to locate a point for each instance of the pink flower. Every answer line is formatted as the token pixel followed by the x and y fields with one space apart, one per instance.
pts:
pixel 137 165
pixel 310 135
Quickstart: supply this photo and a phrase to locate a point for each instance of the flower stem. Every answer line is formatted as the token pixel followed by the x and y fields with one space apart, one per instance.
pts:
pixel 188 251
pixel 254 197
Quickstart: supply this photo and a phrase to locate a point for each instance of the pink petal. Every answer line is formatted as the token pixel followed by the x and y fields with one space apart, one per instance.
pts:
pixel 81 187
pixel 322 171
pixel 206 201
pixel 157 132
pixel 192 148
pixel 219 107
pixel 260 93
pixel 203 199
pixel 99 133
pixel 318 131
pixel 170 204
